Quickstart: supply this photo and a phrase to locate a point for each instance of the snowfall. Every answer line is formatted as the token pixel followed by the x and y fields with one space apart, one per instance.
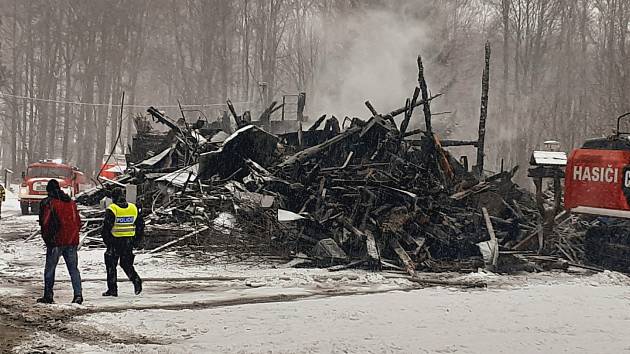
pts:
pixel 192 305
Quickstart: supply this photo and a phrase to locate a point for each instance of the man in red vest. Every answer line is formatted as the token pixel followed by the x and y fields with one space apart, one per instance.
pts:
pixel 60 223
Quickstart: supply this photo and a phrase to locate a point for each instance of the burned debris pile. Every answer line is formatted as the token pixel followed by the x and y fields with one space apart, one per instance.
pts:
pixel 357 193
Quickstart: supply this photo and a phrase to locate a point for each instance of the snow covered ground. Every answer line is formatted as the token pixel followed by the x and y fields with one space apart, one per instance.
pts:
pixel 189 306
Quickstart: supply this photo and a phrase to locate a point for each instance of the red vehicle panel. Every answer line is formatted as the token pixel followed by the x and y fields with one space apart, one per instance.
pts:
pixel 595 180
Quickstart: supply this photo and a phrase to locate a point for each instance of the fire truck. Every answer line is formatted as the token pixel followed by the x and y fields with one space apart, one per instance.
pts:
pixel 34 181
pixel 597 183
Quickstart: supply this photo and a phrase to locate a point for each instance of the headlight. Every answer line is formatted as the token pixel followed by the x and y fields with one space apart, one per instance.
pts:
pixel 23 190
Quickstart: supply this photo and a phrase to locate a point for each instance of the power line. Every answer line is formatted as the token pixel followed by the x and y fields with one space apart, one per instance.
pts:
pixel 2 94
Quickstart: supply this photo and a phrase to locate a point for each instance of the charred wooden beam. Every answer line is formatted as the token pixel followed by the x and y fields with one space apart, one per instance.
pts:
pixel 413 132
pixel 485 87
pixel 402 110
pixel 372 250
pixel 371 108
pixel 314 150
pixel 300 106
pixel 409 111
pixel 447 143
pixel 317 123
pixel 160 118
pixel 410 266
pixel 239 120
pixel 426 108
pixel 265 116
pixel 275 109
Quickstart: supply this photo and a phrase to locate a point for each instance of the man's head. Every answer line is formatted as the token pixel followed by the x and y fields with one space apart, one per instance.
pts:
pixel 53 187
pixel 118 195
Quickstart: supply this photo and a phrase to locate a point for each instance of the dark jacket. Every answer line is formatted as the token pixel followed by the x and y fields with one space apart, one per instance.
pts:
pixel 59 220
pixel 108 224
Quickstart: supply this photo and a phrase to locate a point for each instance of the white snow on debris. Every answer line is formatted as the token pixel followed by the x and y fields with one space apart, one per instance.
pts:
pixel 181 176
pixel 225 222
pixel 285 216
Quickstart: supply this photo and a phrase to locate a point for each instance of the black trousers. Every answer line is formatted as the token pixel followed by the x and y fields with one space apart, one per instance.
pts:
pixel 120 250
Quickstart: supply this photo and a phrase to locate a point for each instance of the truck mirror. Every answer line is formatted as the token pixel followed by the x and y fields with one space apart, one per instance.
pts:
pixel 23 174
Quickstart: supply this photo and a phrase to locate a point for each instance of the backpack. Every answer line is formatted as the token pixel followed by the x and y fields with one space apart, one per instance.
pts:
pixel 50 224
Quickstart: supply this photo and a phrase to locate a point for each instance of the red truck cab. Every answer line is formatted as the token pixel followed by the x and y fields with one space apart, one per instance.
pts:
pixel 597 178
pixel 36 177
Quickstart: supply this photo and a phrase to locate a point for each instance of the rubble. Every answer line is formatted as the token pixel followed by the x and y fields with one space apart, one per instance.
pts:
pixel 367 196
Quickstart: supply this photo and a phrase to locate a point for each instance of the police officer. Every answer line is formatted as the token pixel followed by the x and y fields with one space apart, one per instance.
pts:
pixel 123 228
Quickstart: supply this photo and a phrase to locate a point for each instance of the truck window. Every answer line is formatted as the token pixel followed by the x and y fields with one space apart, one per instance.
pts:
pixel 50 172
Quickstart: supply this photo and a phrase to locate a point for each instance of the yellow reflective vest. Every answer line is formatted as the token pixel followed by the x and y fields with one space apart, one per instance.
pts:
pixel 124 220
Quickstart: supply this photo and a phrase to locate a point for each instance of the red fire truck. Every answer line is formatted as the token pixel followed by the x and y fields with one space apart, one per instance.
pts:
pixel 36 177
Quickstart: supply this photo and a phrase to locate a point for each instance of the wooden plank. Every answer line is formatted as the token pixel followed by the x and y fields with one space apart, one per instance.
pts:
pixel 443 282
pixel 464 284
pixel 477 188
pixel 387 264
pixel 447 143
pixel 493 237
pixel 345 164
pixel 409 111
pixel 346 266
pixel 410 266
pixel 518 210
pixel 419 242
pixel 306 153
pixel 168 244
pixel 519 246
pixel 372 250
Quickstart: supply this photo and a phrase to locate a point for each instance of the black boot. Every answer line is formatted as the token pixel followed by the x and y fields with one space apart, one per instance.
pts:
pixel 78 299
pixel 45 300
pixel 110 293
pixel 137 286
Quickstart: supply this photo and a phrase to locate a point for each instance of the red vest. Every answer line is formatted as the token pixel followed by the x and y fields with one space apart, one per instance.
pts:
pixel 69 221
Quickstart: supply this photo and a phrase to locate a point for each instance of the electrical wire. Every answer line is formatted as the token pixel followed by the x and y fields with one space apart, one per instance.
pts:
pixel 122 105
pixel 2 94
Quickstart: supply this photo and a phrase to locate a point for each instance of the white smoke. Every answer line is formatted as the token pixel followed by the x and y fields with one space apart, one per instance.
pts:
pixel 370 55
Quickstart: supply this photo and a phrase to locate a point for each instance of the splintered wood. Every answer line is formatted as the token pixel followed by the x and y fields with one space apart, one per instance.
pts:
pixel 373 195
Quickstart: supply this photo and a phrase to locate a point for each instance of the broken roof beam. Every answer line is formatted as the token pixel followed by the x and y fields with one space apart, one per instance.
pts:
pixel 401 110
pixel 314 150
